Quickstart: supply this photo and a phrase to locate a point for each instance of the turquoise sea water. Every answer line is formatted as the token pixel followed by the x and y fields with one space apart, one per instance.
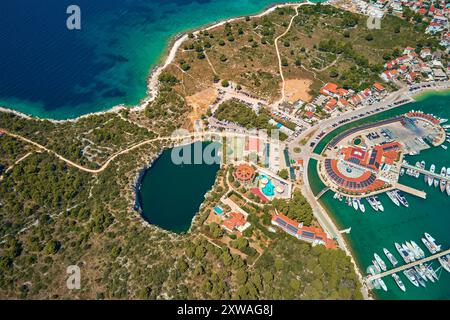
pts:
pixel 371 231
pixel 170 194
pixel 48 71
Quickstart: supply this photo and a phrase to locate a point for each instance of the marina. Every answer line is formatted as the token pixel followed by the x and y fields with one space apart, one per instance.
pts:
pixel 374 231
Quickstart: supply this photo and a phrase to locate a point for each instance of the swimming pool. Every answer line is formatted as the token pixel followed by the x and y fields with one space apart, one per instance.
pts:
pixel 218 210
pixel 269 188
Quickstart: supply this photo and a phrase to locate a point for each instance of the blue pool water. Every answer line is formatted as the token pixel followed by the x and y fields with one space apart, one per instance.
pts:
pixel 269 188
pixel 218 210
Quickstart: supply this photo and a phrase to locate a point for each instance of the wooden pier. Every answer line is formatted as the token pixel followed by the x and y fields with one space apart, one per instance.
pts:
pixel 406 266
pixel 426 172
pixel 414 192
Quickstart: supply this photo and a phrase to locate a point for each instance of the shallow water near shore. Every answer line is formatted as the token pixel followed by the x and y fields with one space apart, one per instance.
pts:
pixel 49 71
pixel 371 232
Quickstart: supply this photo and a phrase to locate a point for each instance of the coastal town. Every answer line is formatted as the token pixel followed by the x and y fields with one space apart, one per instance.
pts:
pixel 321 117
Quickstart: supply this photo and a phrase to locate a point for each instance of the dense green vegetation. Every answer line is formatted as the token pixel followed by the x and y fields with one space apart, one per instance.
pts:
pixel 237 112
pixel 54 215
pixel 297 208
pixel 89 141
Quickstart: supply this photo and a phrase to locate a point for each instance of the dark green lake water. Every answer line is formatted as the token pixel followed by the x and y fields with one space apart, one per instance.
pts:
pixel 170 194
pixel 371 232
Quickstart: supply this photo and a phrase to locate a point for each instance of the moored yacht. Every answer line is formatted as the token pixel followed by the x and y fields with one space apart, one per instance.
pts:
pixel 436 182
pixel 410 253
pixel 408 274
pixel 413 250
pixel 421 273
pixel 445 262
pixel 418 278
pixel 432 241
pixel 427 273
pixel 376 265
pixel 373 203
pixel 430 178
pixel 355 204
pixel 399 282
pixel 380 205
pixel 403 253
pixel 390 257
pixel 418 249
pixel 380 262
pixel 443 183
pixel 361 205
pixel 429 246
pixel 382 284
pixel 448 184
pixel 432 272
pixel 401 198
pixel 393 197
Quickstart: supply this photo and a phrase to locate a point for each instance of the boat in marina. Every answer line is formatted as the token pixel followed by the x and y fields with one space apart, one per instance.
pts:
pixel 380 205
pixel 410 276
pixel 429 246
pixel 410 253
pixel 430 178
pixel 418 278
pixel 421 272
pixel 403 253
pixel 432 272
pixel 361 205
pixel 412 250
pixel 445 262
pixel 382 284
pixel 376 265
pixel 373 203
pixel 377 282
pixel 427 273
pixel 355 204
pixel 393 197
pixel 444 146
pixel 399 282
pixel 380 262
pixel 401 198
pixel 418 249
pixel 443 183
pixel 436 182
pixel 416 173
pixel 390 257
pixel 448 184
pixel 432 241
pixel 349 201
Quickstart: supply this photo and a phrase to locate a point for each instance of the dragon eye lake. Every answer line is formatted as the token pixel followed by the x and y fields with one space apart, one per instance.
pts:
pixel 170 194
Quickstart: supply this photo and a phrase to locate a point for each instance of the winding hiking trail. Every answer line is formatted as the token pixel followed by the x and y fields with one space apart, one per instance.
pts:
pixel 191 135
pixel 280 66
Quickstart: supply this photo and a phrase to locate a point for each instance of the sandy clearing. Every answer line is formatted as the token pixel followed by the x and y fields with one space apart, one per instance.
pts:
pixel 298 89
pixel 200 103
